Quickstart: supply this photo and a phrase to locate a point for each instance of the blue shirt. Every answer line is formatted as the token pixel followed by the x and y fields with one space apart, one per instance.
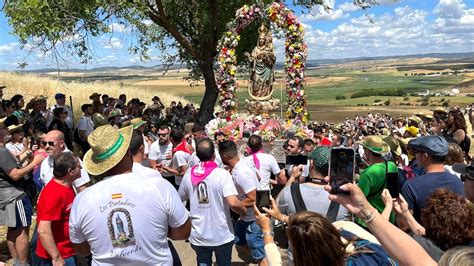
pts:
pixel 417 190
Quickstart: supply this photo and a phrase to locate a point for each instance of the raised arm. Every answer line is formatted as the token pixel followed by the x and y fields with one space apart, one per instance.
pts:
pixel 401 247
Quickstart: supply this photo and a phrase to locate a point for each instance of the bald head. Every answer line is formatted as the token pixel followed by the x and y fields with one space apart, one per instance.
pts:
pixel 54 143
pixel 55 134
pixel 205 150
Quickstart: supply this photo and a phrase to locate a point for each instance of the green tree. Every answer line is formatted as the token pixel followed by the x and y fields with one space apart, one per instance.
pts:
pixel 186 31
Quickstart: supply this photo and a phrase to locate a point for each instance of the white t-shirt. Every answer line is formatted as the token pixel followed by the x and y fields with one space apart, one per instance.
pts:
pixel 47 167
pixel 159 153
pixel 180 158
pixel 195 160
pixel 210 215
pixel 86 124
pixel 125 220
pixel 141 170
pixel 245 181
pixel 268 165
pixel 15 148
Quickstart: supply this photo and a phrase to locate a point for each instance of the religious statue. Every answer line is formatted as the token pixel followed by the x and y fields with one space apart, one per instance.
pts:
pixel 262 61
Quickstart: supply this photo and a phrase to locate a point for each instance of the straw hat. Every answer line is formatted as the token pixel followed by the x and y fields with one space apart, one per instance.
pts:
pixel 108 146
pixel 137 122
pixel 394 145
pixel 415 119
pixel 115 112
pixel 375 144
pixel 439 110
pixel 15 128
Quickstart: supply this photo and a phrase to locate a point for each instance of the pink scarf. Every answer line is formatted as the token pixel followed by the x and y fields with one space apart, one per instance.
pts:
pixel 200 171
pixel 255 158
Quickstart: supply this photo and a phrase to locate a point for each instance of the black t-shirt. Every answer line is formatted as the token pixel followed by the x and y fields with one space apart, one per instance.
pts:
pixel 7 163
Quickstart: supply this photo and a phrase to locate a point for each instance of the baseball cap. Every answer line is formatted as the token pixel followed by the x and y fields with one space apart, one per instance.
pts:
pixel 59 96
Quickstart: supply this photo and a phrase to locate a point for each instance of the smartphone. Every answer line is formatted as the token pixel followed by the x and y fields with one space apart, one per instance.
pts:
pixel 297 159
pixel 263 200
pixel 393 185
pixel 341 168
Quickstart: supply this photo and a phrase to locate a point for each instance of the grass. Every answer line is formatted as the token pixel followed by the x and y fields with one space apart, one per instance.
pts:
pixel 30 86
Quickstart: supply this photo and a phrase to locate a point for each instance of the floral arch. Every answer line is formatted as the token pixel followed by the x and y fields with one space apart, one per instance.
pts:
pixel 295 53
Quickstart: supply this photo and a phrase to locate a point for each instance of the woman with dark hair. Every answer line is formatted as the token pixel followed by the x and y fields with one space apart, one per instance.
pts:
pixel 8 110
pixel 19 112
pixel 59 123
pixel 316 242
pixel 456 130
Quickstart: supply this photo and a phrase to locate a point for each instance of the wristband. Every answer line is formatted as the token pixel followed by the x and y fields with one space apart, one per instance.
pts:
pixel 369 218
pixel 267 233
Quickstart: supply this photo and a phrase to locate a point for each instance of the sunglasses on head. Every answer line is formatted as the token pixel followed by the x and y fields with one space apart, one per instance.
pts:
pixel 50 143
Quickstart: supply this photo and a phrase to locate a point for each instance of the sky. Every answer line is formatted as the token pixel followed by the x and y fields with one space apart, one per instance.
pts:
pixel 400 27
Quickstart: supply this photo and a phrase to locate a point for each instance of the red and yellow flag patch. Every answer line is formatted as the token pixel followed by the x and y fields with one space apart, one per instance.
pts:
pixel 117 196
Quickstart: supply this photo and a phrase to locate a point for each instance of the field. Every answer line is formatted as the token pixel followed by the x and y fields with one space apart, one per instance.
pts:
pixel 323 84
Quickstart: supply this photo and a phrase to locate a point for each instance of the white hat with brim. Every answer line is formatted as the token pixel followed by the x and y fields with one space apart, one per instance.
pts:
pixel 108 146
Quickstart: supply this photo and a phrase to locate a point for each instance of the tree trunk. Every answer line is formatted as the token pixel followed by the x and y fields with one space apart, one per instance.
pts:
pixel 206 111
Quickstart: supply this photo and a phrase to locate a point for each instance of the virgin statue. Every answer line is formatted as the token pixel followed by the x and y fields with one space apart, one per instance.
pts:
pixel 262 61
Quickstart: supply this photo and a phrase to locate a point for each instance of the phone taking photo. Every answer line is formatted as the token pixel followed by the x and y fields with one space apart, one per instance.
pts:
pixel 341 168
pixel 263 200
pixel 297 159
pixel 393 185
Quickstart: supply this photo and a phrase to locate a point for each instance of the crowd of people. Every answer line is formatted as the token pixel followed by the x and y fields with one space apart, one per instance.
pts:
pixel 120 184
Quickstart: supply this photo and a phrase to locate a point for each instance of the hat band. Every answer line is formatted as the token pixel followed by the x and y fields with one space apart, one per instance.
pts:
pixel 373 148
pixel 106 154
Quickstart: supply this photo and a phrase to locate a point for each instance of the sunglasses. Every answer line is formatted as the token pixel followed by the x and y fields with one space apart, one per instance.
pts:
pixel 162 135
pixel 50 143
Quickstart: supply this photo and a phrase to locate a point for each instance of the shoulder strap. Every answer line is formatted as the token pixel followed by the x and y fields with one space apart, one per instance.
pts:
pixel 331 215
pixel 297 198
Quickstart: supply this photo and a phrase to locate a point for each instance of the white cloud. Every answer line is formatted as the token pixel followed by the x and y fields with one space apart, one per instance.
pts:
pixel 8 48
pixel 117 27
pixel 348 7
pixel 319 13
pixel 450 8
pixel 114 43
pixel 403 31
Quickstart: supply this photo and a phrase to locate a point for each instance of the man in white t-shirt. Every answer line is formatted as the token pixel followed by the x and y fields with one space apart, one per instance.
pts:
pixel 126 218
pixel 248 234
pixel 210 191
pixel 161 153
pixel 137 149
pixel 54 145
pixel 264 164
pixel 181 156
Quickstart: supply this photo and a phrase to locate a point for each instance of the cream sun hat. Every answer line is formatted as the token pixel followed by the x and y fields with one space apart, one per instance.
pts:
pixel 108 146
pixel 375 144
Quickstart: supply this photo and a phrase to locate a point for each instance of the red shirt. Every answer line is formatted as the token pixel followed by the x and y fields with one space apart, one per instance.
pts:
pixel 54 205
